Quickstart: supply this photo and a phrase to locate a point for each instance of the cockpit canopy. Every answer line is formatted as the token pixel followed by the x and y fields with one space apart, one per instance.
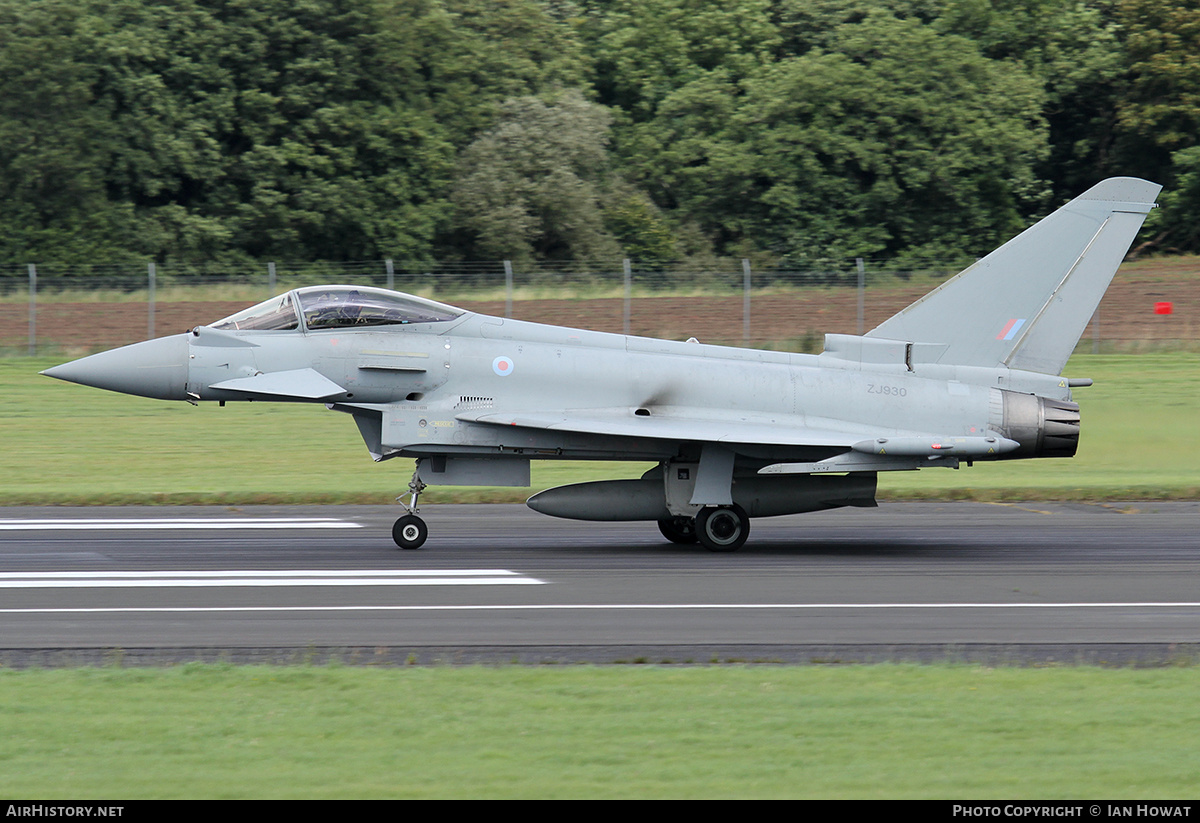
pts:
pixel 337 307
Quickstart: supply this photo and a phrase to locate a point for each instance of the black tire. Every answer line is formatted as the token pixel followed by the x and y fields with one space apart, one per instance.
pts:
pixel 410 532
pixel 723 528
pixel 680 530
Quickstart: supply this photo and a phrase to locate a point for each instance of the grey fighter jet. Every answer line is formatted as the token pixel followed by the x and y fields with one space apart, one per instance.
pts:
pixel 968 373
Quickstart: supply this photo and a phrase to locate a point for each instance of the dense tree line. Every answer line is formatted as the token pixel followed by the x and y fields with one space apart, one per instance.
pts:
pixel 792 130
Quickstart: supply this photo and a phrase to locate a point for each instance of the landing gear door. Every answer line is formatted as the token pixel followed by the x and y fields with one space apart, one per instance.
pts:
pixel 440 470
pixel 679 480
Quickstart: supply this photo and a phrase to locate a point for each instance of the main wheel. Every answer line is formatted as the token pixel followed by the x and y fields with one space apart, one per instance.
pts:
pixel 410 532
pixel 679 529
pixel 722 529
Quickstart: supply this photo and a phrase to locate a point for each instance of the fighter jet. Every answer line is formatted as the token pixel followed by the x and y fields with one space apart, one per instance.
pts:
pixel 970 372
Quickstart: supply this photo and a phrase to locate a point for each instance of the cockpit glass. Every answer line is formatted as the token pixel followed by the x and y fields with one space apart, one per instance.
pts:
pixel 339 307
pixel 270 315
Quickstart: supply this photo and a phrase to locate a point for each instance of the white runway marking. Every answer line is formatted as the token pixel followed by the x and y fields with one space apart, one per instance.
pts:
pixel 93 524
pixel 262 578
pixel 609 607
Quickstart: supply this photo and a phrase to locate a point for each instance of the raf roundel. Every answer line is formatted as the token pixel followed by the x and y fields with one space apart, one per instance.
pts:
pixel 502 366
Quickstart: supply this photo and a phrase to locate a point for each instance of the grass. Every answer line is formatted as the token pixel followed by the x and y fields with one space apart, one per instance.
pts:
pixel 887 731
pixel 66 444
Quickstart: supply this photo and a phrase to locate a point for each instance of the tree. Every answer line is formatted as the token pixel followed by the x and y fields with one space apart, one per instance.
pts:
pixel 644 50
pixel 1073 48
pixel 639 227
pixel 532 185
pixel 892 138
pixel 1160 111
pixel 323 149
pixel 56 139
pixel 212 129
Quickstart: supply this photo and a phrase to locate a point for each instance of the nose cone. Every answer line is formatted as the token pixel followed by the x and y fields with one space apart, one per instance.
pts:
pixel 155 368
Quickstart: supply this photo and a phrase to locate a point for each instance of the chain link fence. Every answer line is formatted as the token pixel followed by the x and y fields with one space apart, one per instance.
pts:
pixel 47 308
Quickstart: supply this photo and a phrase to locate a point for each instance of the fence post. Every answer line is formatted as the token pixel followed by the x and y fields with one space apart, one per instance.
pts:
pixel 745 302
pixel 508 286
pixel 271 279
pixel 32 309
pixel 627 309
pixel 862 286
pixel 150 277
pixel 391 273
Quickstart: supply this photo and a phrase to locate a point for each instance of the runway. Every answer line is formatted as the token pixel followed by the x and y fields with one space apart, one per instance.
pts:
pixel 962 581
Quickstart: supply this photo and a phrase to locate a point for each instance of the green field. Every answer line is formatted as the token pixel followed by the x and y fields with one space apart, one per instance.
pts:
pixel 66 444
pixel 888 731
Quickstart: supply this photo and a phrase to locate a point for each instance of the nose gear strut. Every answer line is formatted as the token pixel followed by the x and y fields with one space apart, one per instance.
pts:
pixel 410 531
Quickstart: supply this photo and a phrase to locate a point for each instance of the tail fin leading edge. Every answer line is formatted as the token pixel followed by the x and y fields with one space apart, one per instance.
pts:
pixel 1026 304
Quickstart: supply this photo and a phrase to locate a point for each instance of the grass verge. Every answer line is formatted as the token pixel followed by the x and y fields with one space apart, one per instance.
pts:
pixel 886 731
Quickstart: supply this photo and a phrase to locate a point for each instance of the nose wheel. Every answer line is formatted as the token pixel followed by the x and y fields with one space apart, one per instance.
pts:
pixel 410 531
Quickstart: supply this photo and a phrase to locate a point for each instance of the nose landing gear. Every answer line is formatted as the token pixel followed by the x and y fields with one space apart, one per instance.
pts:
pixel 410 531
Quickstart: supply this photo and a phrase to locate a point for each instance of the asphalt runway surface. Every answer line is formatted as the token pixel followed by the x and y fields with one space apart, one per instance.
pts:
pixel 975 582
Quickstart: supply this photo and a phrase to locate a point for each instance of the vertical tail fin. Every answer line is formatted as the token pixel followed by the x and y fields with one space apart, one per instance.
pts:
pixel 1026 304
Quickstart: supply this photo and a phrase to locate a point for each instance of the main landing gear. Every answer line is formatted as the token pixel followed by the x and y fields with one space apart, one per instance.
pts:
pixel 679 530
pixel 717 528
pixel 410 531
